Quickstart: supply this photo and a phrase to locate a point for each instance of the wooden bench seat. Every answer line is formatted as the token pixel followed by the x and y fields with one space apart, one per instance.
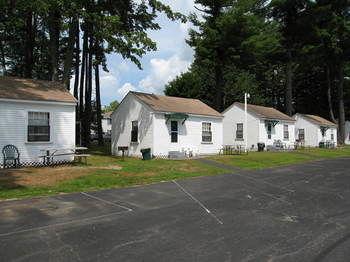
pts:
pixel 82 156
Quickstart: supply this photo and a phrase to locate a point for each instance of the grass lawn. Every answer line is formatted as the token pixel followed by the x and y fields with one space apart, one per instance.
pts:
pixel 102 171
pixel 258 160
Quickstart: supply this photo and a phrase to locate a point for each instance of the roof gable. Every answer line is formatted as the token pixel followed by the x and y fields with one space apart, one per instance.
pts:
pixel 34 90
pixel 161 103
pixel 264 112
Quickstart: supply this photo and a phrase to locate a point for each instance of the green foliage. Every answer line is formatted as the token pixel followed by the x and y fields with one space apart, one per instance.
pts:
pixel 122 27
pixel 111 107
pixel 237 44
pixel 255 44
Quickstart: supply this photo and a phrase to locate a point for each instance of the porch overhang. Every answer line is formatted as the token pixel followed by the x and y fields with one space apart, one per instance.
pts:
pixel 271 122
pixel 324 129
pixel 176 116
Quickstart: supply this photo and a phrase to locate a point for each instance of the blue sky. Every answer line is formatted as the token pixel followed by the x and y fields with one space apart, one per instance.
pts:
pixel 173 56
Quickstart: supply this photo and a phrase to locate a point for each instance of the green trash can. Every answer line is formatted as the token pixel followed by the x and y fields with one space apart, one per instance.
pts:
pixel 146 154
pixel 261 147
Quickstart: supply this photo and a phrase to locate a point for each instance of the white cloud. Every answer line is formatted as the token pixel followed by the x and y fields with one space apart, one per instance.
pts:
pixel 162 71
pixel 172 58
pixel 125 89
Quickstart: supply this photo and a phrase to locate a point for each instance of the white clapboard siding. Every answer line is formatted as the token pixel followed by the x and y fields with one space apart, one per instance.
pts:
pixel 154 131
pixel 313 134
pixel 13 128
pixel 347 132
pixel 257 130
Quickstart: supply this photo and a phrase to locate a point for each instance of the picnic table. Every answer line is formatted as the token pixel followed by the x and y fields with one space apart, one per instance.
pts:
pixel 77 152
pixel 231 150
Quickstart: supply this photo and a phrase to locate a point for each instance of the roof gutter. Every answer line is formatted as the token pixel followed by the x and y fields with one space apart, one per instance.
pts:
pixel 196 115
pixel 38 101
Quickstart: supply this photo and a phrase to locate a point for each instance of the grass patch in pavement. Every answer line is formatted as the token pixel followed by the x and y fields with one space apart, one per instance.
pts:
pixel 259 160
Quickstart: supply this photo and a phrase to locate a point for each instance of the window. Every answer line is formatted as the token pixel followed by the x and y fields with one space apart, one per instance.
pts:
pixel 269 129
pixel 134 131
pixel 109 121
pixel 38 127
pixel 239 131
pixel 332 136
pixel 206 132
pixel 323 132
pixel 301 134
pixel 174 131
pixel 285 132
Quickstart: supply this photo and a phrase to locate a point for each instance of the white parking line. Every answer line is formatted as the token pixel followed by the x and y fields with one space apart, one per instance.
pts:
pixel 198 202
pixel 105 201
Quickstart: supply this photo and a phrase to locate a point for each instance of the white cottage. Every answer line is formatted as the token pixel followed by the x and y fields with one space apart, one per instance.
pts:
pixel 107 123
pixel 347 132
pixel 35 115
pixel 169 126
pixel 265 125
pixel 311 130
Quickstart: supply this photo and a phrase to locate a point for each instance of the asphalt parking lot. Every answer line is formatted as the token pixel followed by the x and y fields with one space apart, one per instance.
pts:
pixel 295 213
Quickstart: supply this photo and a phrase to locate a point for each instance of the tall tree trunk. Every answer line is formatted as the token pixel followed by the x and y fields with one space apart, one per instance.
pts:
pixel 77 60
pixel 29 44
pixel 329 94
pixel 54 32
pixel 76 80
pixel 2 54
pixel 289 86
pixel 89 91
pixel 68 60
pixel 81 87
pixel 88 94
pixel 98 106
pixel 341 110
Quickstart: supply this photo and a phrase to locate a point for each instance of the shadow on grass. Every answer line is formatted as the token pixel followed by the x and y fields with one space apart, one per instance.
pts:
pixel 9 179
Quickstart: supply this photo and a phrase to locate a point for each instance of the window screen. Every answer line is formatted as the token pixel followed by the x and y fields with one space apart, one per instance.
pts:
pixel 174 131
pixel 38 127
pixel 301 134
pixel 269 130
pixel 239 131
pixel 206 132
pixel 134 131
pixel 285 132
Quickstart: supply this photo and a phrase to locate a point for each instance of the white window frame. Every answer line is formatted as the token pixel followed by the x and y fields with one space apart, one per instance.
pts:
pixel 332 134
pixel 285 132
pixel 138 129
pixel 51 116
pixel 174 132
pixel 269 133
pixel 299 133
pixel 210 131
pixel 240 138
